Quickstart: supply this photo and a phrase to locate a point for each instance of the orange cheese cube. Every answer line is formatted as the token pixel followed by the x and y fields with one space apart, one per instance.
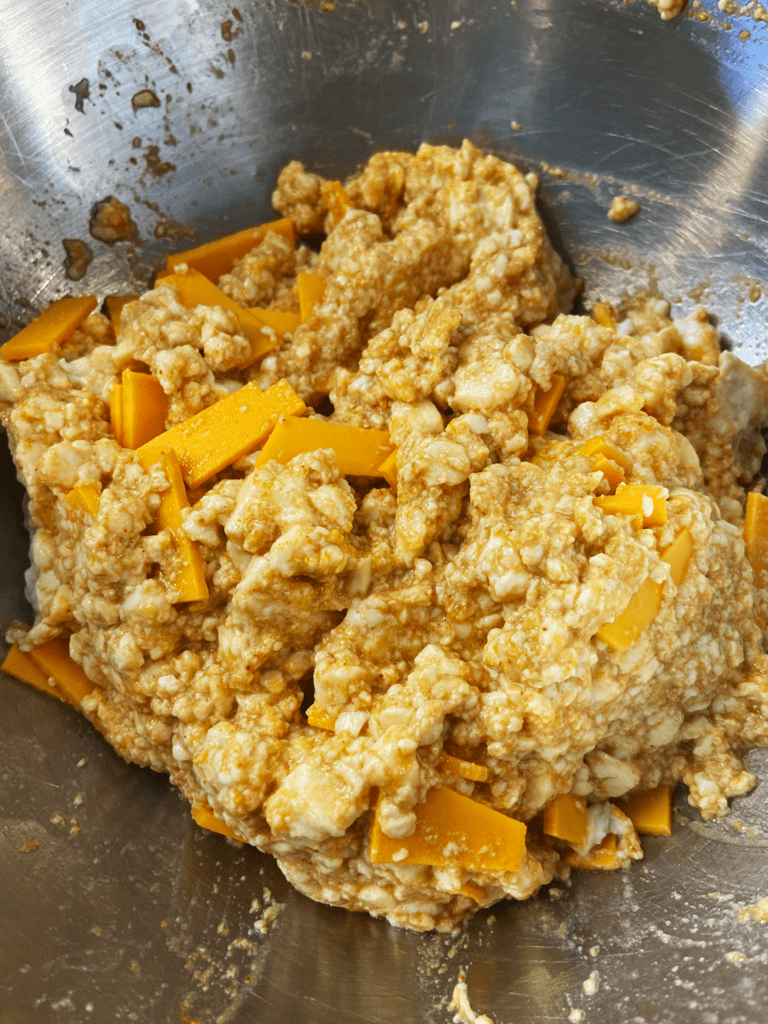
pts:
pixel 388 469
pixel 205 818
pixel 603 857
pixel 359 451
pixel 756 537
pixel 678 555
pixel 650 812
pixel 216 258
pixel 85 498
pixel 53 326
pixel 144 408
pixel 566 818
pixel 53 659
pixel 602 314
pixel 636 499
pixel 336 199
pixel 544 405
pixel 464 769
pixel 605 459
pixel 195 289
pixel 187 577
pixel 320 719
pixel 221 434
pixel 311 288
pixel 19 664
pixel 452 829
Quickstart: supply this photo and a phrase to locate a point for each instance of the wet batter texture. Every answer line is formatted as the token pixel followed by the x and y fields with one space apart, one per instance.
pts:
pixel 462 612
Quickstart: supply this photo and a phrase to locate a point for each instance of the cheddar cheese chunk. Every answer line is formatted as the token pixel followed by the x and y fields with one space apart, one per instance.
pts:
pixel 359 451
pixel 756 537
pixel 453 829
pixel 221 434
pixel 388 469
pixel 544 405
pixel 650 812
pixel 186 578
pixel 53 326
pixel 144 408
pixel 635 499
pixel 85 498
pixel 566 818
pixel 195 289
pixel 19 664
pixel 603 857
pixel 605 459
pixel 216 258
pixel 205 818
pixel 336 199
pixel 644 604
pixel 114 305
pixel 319 718
pixel 311 288
pixel 53 659
pixel 464 769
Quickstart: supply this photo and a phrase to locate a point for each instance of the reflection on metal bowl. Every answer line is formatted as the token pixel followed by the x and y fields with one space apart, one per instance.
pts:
pixel 124 909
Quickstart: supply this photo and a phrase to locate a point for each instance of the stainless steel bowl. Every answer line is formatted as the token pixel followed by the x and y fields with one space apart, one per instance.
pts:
pixel 126 911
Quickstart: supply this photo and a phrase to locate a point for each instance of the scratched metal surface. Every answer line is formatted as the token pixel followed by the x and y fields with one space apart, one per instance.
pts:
pixel 126 911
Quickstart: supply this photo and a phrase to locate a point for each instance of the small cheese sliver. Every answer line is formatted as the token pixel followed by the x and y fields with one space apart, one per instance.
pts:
pixel 464 769
pixel 388 469
pixel 605 459
pixel 53 659
pixel 603 857
pixel 453 829
pixel 195 289
pixel 359 451
pixel 144 408
pixel 216 258
pixel 636 499
pixel 205 818
pixel 650 812
pixel 221 434
pixel 756 537
pixel 187 577
pixel 319 718
pixel 19 664
pixel 311 288
pixel 114 305
pixel 545 404
pixel 49 329
pixel 85 498
pixel 644 604
pixel 566 818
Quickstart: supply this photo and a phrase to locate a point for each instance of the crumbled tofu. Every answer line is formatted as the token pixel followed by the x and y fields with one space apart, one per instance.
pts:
pixel 454 614
pixel 622 209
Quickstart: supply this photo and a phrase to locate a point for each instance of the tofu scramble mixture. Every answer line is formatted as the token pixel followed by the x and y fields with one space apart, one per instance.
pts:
pixel 447 634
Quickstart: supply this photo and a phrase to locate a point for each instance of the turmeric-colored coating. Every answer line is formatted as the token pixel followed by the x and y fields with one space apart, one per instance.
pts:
pixel 311 288
pixel 49 329
pixel 545 404
pixel 453 829
pixel 144 408
pixel 650 812
pixel 336 199
pixel 216 258
pixel 187 578
pixel 359 451
pixel 116 411
pixel 565 817
pixel 221 434
pixel 756 536
pixel 53 659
